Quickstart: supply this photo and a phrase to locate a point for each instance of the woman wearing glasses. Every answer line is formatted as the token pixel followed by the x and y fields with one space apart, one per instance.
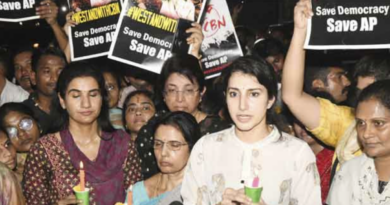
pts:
pixel 182 86
pixel 174 136
pixel 18 121
pixel 86 135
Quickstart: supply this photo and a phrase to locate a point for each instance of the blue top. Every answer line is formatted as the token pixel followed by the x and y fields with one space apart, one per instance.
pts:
pixel 140 195
pixel 115 115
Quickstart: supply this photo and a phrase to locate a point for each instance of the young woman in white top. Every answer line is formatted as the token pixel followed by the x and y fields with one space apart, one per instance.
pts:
pixel 221 162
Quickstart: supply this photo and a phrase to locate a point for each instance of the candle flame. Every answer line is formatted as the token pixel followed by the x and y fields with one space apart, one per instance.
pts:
pixel 81 165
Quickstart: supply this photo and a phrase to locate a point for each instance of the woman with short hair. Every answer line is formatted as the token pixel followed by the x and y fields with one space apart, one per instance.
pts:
pixel 174 136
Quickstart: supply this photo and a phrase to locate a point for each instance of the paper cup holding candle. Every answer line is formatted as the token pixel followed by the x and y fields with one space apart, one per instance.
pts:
pixel 253 189
pixel 82 195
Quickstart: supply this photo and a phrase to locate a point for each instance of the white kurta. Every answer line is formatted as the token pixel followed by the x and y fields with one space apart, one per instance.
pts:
pixel 12 93
pixel 357 184
pixel 286 167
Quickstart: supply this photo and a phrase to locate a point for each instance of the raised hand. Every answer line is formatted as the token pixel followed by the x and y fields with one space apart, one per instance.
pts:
pixel 48 10
pixel 195 39
pixel 302 11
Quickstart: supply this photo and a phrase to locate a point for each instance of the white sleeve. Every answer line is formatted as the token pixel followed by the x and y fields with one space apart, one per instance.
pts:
pixel 194 190
pixel 306 187
pixel 12 93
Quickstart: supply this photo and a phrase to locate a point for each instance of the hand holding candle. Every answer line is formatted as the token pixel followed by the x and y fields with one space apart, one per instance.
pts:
pixel 253 189
pixel 129 197
pixel 82 177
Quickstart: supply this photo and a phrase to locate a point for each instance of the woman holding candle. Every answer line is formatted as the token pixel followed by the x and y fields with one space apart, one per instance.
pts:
pixel 254 147
pixel 110 161
pixel 174 136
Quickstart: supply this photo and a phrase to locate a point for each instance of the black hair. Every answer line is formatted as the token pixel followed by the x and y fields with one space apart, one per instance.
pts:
pixel 131 95
pixel 245 37
pixel 377 66
pixel 139 73
pixel 114 72
pixel 77 70
pixel 6 108
pixel 262 71
pixel 315 73
pixel 379 90
pixel 318 66
pixel 185 123
pixel 183 64
pixel 39 53
pixel 23 49
pixel 268 47
pixel 5 62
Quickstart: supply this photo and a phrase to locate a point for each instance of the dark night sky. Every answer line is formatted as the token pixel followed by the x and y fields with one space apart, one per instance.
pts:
pixel 255 14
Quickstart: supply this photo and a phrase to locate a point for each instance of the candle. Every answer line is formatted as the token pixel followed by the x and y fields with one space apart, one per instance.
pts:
pixel 130 196
pixel 82 177
pixel 255 182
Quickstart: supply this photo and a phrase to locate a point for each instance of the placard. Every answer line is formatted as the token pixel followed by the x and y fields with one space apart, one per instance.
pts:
pixel 346 24
pixel 18 10
pixel 220 46
pixel 94 33
pixel 146 30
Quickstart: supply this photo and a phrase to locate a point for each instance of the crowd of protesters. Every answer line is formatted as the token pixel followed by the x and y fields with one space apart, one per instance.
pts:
pixel 314 129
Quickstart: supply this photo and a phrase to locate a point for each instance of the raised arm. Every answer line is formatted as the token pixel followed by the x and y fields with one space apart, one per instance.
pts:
pixel 48 10
pixel 304 106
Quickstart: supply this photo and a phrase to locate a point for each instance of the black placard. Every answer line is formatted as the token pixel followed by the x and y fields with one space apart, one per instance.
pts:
pixel 346 24
pixel 146 34
pixel 94 33
pixel 18 10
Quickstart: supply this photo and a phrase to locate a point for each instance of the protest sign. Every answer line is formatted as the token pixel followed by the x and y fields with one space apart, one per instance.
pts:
pixel 220 46
pixel 145 36
pixel 94 33
pixel 18 10
pixel 346 24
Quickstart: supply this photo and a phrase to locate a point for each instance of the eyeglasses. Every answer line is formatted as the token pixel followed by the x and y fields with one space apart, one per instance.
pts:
pixel 186 92
pixel 109 87
pixel 25 124
pixel 172 145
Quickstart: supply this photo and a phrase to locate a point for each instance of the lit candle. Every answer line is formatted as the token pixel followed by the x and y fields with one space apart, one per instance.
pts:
pixel 82 177
pixel 130 196
pixel 255 182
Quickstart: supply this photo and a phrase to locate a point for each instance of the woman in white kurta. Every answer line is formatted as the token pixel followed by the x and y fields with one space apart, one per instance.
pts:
pixel 364 179
pixel 220 162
